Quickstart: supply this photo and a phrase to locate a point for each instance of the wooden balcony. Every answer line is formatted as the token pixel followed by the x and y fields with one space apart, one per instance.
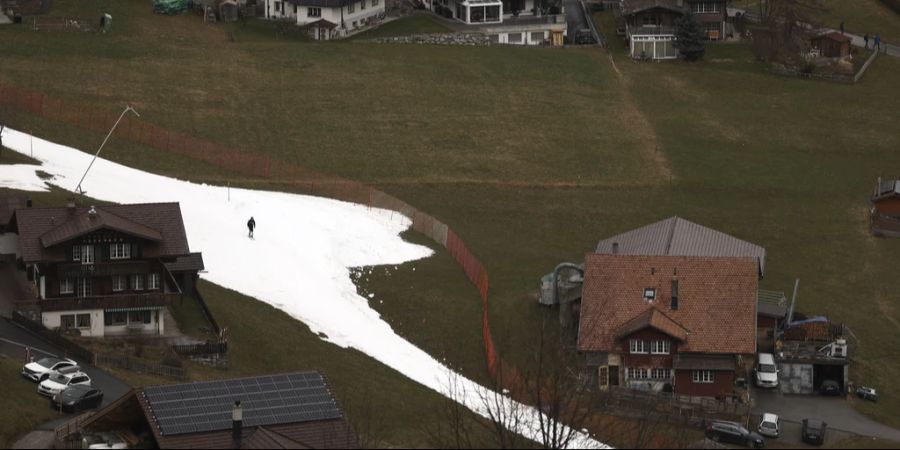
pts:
pixel 142 300
pixel 102 269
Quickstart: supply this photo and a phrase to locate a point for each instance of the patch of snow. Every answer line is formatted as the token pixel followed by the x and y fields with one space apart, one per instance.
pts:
pixel 300 260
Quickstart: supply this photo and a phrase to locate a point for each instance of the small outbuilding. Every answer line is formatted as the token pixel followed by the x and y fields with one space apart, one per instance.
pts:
pixel 228 11
pixel 885 210
pixel 832 45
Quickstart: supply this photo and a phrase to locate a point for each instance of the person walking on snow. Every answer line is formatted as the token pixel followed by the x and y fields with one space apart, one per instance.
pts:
pixel 251 224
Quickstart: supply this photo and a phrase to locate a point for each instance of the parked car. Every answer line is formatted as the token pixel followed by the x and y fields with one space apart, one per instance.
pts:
pixel 103 440
pixel 766 371
pixel 830 387
pixel 42 368
pixel 77 398
pixel 59 381
pixel 769 426
pixel 813 432
pixel 733 432
pixel 867 393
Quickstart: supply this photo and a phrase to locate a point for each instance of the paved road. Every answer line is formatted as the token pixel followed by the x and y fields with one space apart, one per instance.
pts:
pixel 836 412
pixel 12 339
pixel 858 41
pixel 575 18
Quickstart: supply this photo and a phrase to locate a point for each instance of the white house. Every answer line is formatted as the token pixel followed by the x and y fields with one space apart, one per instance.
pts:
pixel 506 21
pixel 327 19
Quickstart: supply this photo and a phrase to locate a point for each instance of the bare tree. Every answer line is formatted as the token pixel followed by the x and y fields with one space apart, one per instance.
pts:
pixel 788 24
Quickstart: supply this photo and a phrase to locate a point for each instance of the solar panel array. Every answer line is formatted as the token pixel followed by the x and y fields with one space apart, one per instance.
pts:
pixel 267 400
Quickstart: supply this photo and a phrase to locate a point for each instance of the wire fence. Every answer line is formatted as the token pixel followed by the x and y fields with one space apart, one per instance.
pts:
pixel 139 131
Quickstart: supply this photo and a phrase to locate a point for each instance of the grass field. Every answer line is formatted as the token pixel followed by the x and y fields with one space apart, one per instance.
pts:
pixel 30 409
pixel 532 155
pixel 859 16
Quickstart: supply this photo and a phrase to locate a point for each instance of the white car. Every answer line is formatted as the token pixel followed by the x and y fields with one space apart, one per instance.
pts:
pixel 769 426
pixel 766 371
pixel 59 381
pixel 42 368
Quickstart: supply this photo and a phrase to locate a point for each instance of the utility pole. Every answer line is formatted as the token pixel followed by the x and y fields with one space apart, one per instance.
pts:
pixel 127 108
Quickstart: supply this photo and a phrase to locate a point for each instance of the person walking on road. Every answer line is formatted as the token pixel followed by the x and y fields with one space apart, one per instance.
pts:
pixel 866 41
pixel 251 224
pixel 877 42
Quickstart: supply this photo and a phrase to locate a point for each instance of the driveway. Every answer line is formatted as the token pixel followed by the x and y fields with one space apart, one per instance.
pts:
pixel 575 18
pixel 13 341
pixel 835 411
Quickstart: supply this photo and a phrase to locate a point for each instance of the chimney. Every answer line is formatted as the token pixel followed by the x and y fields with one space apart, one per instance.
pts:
pixel 28 202
pixel 92 214
pixel 674 293
pixel 237 427
pixel 615 250
pixel 70 206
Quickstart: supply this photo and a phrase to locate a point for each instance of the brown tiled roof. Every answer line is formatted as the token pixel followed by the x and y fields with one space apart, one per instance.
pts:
pixel 159 222
pixel 262 438
pixel 835 36
pixel 656 319
pixel 8 204
pixel 680 237
pixel 716 301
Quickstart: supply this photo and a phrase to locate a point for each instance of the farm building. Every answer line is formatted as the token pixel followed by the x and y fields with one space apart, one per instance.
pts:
pixel 327 19
pixel 809 352
pixel 885 212
pixel 832 45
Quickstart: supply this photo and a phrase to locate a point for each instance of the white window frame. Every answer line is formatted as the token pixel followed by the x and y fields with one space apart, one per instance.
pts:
pixel 119 250
pixel 119 283
pixel 314 12
pixel 663 347
pixel 661 373
pixel 638 373
pixel 83 287
pixel 351 8
pixel 153 282
pixel 703 377
pixel 637 347
pixel 362 5
pixel 87 254
pixel 705 7
pixel 650 294
pixel 76 253
pixel 66 286
pixel 137 282
pixel 79 324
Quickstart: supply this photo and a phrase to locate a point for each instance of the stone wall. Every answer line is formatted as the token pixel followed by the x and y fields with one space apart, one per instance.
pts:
pixel 438 39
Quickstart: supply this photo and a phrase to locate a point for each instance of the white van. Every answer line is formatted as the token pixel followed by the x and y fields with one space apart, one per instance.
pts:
pixel 766 371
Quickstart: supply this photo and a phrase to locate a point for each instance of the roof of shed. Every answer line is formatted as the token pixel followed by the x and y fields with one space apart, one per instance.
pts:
pixel 771 304
pixel 716 301
pixel 679 237
pixel 834 36
pixel 187 263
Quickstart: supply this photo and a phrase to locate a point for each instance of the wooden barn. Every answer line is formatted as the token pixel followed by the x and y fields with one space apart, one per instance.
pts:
pixel 832 45
pixel 885 210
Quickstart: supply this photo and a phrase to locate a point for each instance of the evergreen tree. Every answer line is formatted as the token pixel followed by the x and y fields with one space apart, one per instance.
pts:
pixel 690 37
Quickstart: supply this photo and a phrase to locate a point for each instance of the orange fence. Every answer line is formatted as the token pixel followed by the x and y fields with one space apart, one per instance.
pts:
pixel 139 131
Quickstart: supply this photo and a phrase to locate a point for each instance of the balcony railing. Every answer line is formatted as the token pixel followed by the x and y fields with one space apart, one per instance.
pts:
pixel 102 269
pixel 150 299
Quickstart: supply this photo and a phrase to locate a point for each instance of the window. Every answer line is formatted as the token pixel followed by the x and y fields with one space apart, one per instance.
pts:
pixel 650 294
pixel 76 253
pixel 705 7
pixel 87 254
pixel 139 317
pixel 660 347
pixel 314 12
pixel 67 321
pixel 153 282
pixel 638 346
pixel 537 36
pixel 661 374
pixel 374 2
pixel 603 376
pixel 704 376
pixel 66 286
pixel 137 282
pixel 514 38
pixel 351 7
pixel 119 251
pixel 277 6
pixel 362 5
pixel 638 373
pixel 650 20
pixel 83 320
pixel 115 318
pixel 84 287
pixel 119 283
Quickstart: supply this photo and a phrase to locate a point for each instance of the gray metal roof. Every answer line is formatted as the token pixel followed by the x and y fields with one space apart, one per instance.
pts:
pixel 679 237
pixel 771 304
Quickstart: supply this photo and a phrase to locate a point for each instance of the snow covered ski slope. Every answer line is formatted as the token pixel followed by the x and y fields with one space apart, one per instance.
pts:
pixel 299 261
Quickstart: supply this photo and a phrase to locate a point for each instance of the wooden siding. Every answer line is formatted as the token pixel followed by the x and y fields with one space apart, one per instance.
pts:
pixel 722 385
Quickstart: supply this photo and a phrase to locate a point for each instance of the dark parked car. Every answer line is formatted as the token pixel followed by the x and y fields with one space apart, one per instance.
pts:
pixel 830 387
pixel 733 432
pixel 814 431
pixel 867 393
pixel 78 398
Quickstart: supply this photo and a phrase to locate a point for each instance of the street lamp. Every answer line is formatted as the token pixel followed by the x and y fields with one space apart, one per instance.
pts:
pixel 127 108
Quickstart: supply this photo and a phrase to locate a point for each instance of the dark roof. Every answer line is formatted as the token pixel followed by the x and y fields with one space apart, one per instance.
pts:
pixel 679 237
pixel 321 3
pixel 834 36
pixel 40 229
pixel 8 205
pixel 262 438
pixel 771 304
pixel 187 263
pixel 883 189
pixel 635 6
pixel 716 301
pixel 266 400
pixel 656 319
pixel 703 362
pixel 322 23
